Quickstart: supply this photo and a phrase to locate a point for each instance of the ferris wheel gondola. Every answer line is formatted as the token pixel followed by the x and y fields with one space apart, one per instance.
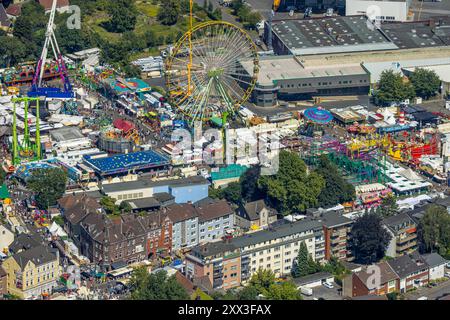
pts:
pixel 211 81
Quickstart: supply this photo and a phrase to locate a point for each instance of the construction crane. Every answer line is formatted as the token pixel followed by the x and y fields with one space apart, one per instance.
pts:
pixel 37 90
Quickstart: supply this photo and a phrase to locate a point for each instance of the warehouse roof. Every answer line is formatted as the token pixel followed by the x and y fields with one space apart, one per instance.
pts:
pixel 278 68
pixel 330 34
pixel 146 183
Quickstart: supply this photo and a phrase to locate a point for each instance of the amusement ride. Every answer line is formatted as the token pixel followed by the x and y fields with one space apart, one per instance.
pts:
pixel 205 78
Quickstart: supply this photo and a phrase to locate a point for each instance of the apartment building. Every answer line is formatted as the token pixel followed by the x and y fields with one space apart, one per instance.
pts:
pixel 336 231
pixel 404 235
pixel 412 272
pixel 205 221
pixel 185 225
pixel 214 218
pixel 126 239
pixel 400 274
pixel 239 258
pixel 32 272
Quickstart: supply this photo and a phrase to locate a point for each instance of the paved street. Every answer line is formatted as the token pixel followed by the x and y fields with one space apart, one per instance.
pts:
pixel 431 293
pixel 430 9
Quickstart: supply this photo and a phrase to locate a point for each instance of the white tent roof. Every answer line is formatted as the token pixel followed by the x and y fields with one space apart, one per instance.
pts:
pixel 56 230
pixel 410 175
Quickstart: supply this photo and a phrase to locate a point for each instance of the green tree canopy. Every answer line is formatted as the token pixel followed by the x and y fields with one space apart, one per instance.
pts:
pixel 392 88
pixel 109 205
pixel 304 263
pixel 155 286
pixel 292 189
pixel 48 185
pixel 426 83
pixel 123 16
pixel 434 230
pixel 284 291
pixel 169 12
pixel 249 184
pixel 369 239
pixel 336 190
pixel 388 206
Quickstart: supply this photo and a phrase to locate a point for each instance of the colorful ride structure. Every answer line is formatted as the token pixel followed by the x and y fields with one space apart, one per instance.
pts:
pixel 37 88
pixel 366 166
pixel 122 137
pixel 26 150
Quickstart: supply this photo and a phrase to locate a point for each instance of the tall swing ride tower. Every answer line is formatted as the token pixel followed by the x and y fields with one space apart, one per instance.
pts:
pixel 26 150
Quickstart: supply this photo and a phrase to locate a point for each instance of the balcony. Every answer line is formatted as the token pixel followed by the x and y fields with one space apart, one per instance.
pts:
pixel 406 239
pixel 406 246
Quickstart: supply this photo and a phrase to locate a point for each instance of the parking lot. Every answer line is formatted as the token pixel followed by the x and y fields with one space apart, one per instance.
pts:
pixel 322 292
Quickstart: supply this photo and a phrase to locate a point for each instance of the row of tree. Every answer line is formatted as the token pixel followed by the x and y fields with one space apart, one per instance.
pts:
pixel 262 285
pixel 393 87
pixel 292 189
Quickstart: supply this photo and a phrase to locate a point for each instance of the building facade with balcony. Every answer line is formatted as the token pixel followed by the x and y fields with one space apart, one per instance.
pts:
pixel 336 232
pixel 275 249
pixel 403 230
pixel 412 272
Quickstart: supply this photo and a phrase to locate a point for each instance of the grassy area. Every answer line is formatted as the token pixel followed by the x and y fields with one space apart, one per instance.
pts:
pixel 146 20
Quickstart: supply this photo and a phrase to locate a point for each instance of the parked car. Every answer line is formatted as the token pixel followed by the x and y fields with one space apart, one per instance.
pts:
pixel 422 298
pixel 447 274
pixel 328 285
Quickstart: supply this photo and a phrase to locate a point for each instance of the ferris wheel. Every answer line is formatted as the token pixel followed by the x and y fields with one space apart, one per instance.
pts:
pixel 212 70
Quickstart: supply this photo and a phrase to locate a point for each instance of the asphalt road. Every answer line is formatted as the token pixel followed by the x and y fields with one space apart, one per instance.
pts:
pixel 430 9
pixel 432 293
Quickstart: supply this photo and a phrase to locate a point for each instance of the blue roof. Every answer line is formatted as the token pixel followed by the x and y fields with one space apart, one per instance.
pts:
pixel 125 162
pixel 24 170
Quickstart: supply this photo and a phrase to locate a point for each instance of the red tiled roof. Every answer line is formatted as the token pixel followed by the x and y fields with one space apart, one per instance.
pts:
pixel 14 9
pixel 47 4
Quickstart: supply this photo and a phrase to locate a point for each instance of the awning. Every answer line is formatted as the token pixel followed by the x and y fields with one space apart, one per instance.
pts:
pixel 4 193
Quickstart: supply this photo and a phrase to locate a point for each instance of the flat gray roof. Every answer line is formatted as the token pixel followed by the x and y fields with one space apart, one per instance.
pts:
pixel 276 232
pixel 146 183
pixel 328 32
pixel 278 68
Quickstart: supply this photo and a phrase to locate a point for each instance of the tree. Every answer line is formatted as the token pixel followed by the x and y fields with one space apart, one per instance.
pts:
pixel 262 280
pixel 425 82
pixel 292 189
pixel 285 291
pixel 248 293
pixel 304 263
pixel 369 239
pixel 434 230
pixel 48 185
pixel 123 16
pixel 12 51
pixel 169 12
pixel 249 184
pixel 336 190
pixel 109 205
pixel 392 88
pixel 388 207
pixel 232 193
pixel 155 286
pixel 125 207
